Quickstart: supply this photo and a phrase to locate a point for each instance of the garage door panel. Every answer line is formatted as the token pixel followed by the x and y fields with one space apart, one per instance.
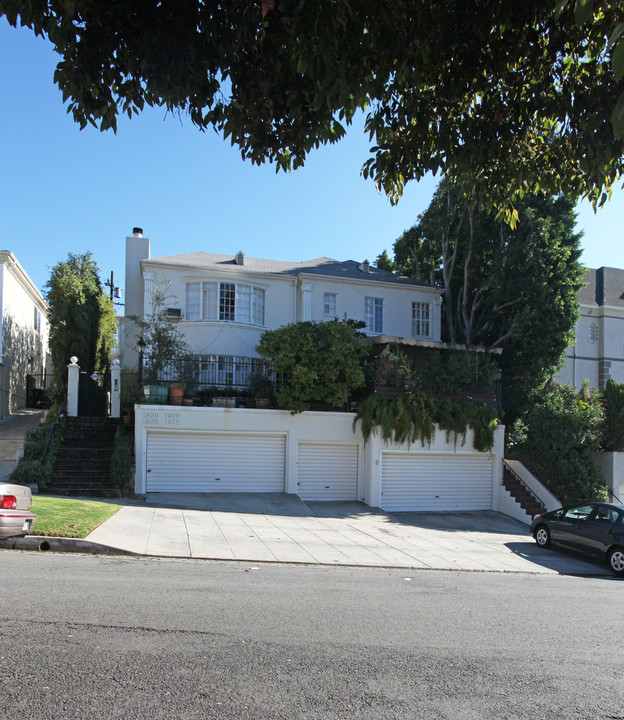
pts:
pixel 202 462
pixel 429 483
pixel 326 471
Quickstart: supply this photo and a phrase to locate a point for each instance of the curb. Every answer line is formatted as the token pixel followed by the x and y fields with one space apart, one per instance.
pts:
pixel 60 544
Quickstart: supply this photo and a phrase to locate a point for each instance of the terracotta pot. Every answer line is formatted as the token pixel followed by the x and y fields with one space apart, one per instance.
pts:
pixel 176 395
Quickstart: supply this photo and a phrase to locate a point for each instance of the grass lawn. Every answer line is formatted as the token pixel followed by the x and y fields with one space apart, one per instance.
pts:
pixel 66 517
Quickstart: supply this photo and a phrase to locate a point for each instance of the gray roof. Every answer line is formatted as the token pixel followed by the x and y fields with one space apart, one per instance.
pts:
pixel 323 267
pixel 605 286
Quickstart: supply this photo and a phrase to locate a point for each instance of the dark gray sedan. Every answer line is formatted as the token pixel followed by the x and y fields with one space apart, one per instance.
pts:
pixel 593 528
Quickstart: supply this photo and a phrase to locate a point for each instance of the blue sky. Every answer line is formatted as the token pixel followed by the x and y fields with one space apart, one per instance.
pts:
pixel 66 190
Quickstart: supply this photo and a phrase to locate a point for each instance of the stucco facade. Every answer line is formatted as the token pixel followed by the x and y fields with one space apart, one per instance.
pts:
pixel 223 303
pixel 598 351
pixel 24 357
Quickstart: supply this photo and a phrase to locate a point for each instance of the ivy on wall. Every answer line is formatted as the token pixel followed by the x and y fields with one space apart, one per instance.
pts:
pixel 414 417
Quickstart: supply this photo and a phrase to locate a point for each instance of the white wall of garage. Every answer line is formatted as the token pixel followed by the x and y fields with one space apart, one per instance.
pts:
pixel 165 435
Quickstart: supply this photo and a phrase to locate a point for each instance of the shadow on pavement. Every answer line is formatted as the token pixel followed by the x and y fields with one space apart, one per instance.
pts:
pixel 287 505
pixel 561 561
pixel 482 521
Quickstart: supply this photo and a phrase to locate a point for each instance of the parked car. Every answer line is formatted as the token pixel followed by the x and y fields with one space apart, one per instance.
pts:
pixel 15 516
pixel 593 528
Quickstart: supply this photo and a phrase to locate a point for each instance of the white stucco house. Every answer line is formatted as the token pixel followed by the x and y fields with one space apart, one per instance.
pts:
pixel 223 304
pixel 598 351
pixel 24 358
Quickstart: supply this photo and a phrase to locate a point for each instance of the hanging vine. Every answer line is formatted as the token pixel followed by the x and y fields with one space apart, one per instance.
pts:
pixel 414 417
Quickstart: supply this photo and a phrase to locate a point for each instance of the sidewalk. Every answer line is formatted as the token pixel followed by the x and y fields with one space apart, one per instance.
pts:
pixel 282 528
pixel 13 429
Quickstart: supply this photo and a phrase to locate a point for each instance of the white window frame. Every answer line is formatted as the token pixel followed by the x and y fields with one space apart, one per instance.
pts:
pixel 329 304
pixel 373 315
pixel 37 319
pixel 421 319
pixel 224 302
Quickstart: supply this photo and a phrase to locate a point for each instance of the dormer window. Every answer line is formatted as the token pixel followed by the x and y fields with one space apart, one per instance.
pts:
pixel 365 267
pixel 239 258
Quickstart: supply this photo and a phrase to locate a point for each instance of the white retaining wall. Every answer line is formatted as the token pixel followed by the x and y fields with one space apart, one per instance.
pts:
pixel 321 427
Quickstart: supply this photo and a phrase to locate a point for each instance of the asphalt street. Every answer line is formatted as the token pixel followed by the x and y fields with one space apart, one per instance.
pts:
pixel 136 637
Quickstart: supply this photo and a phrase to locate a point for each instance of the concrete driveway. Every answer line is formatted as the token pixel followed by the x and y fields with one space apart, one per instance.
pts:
pixel 283 528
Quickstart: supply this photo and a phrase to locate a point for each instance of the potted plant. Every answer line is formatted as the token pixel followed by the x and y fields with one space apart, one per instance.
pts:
pixel 262 388
pixel 165 347
pixel 176 393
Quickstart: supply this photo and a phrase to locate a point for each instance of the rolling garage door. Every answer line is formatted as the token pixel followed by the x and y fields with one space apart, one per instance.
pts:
pixel 212 462
pixel 326 471
pixel 412 481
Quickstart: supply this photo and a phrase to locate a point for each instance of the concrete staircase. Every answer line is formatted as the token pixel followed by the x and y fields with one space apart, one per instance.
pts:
pixel 521 493
pixel 82 465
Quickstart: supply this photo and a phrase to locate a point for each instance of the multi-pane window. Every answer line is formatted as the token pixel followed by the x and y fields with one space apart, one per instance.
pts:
pixel 37 320
pixel 373 315
pixel 329 304
pixel 421 319
pixel 229 302
pixel 227 296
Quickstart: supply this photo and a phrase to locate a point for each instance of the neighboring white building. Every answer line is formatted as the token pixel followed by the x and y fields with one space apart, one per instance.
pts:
pixel 225 302
pixel 598 352
pixel 24 357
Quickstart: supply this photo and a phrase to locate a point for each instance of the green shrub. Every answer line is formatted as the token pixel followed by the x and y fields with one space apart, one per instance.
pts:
pixel 122 460
pixel 458 370
pixel 30 468
pixel 558 437
pixel 319 362
pixel 613 427
pixel 29 472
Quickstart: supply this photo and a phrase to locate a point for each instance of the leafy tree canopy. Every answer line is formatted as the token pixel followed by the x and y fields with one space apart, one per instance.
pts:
pixel 82 318
pixel 503 97
pixel 513 288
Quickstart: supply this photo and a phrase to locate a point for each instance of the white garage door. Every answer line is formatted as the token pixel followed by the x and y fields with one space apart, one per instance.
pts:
pixel 412 481
pixel 326 471
pixel 212 462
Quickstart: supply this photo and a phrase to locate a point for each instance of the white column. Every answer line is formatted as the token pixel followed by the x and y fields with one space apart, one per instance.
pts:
pixel 306 302
pixel 115 392
pixel 73 376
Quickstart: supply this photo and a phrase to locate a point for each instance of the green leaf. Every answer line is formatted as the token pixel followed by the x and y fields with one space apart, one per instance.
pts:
pixel 617 61
pixel 559 8
pixel 583 11
pixel 617 117
pixel 616 35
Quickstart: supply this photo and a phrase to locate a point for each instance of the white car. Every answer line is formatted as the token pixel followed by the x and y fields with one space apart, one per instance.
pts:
pixel 15 517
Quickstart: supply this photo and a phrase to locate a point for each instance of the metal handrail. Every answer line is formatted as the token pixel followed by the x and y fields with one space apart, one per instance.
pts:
pixel 531 492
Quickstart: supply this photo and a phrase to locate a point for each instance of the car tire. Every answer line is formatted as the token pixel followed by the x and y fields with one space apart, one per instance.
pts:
pixel 616 561
pixel 542 536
